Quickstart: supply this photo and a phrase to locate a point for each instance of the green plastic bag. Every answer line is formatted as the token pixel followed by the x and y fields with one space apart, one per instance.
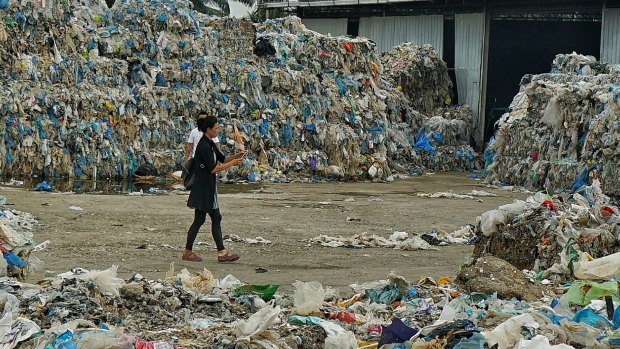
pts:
pixel 583 292
pixel 387 295
pixel 265 292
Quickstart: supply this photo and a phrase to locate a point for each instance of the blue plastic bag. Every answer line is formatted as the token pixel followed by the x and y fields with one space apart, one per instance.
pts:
pixel 476 341
pixel 13 261
pixel 489 156
pixel 438 137
pixel 64 341
pixel 589 317
pixel 43 186
pixel 396 332
pixel 387 295
pixel 4 4
pixel 423 142
pixel 581 180
pixel 160 80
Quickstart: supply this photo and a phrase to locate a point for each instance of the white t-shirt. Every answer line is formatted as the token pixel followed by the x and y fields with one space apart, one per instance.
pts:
pixel 194 138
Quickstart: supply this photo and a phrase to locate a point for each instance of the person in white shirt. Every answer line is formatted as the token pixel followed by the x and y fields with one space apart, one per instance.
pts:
pixel 194 138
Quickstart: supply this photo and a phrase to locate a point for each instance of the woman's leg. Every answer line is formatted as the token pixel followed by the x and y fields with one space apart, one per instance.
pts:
pixel 216 231
pixel 199 218
pixel 216 228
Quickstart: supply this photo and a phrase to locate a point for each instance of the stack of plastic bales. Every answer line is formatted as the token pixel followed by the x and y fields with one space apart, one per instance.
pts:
pixel 444 140
pixel 420 73
pixel 562 130
pixel 443 133
pixel 578 64
pixel 104 90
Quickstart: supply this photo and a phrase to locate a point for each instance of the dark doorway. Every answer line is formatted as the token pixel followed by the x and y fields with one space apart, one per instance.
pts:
pixel 353 27
pixel 449 53
pixel 519 47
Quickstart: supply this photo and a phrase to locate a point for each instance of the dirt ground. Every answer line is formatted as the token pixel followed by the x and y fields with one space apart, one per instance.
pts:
pixel 110 229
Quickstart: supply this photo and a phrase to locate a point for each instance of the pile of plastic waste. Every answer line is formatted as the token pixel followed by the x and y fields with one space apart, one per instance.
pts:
pixel 96 309
pixel 97 92
pixel 491 302
pixel 555 236
pixel 578 64
pixel 444 140
pixel 16 241
pixel 562 129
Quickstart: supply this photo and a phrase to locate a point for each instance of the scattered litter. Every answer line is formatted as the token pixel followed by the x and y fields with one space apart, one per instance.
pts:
pixel 252 241
pixel 13 183
pixel 481 193
pixel 42 246
pixel 16 241
pixel 397 240
pixel 448 195
pixel 451 195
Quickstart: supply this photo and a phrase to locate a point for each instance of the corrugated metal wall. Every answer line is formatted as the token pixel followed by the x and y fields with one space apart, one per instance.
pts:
pixel 468 62
pixel 387 32
pixel 610 36
pixel 333 26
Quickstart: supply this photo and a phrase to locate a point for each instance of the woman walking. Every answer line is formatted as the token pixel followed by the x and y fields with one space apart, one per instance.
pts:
pixel 208 160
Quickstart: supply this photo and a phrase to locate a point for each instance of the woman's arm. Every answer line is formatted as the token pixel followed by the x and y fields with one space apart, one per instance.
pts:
pixel 239 155
pixel 226 165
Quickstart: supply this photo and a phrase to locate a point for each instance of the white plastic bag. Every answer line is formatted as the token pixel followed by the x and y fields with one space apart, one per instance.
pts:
pixel 553 116
pixel 198 284
pixel 343 340
pixel 508 333
pixel 9 304
pixel 106 280
pixel 3 266
pixel 490 220
pixel 603 268
pixel 15 330
pixel 308 297
pixel 540 342
pixel 12 236
pixel 257 323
